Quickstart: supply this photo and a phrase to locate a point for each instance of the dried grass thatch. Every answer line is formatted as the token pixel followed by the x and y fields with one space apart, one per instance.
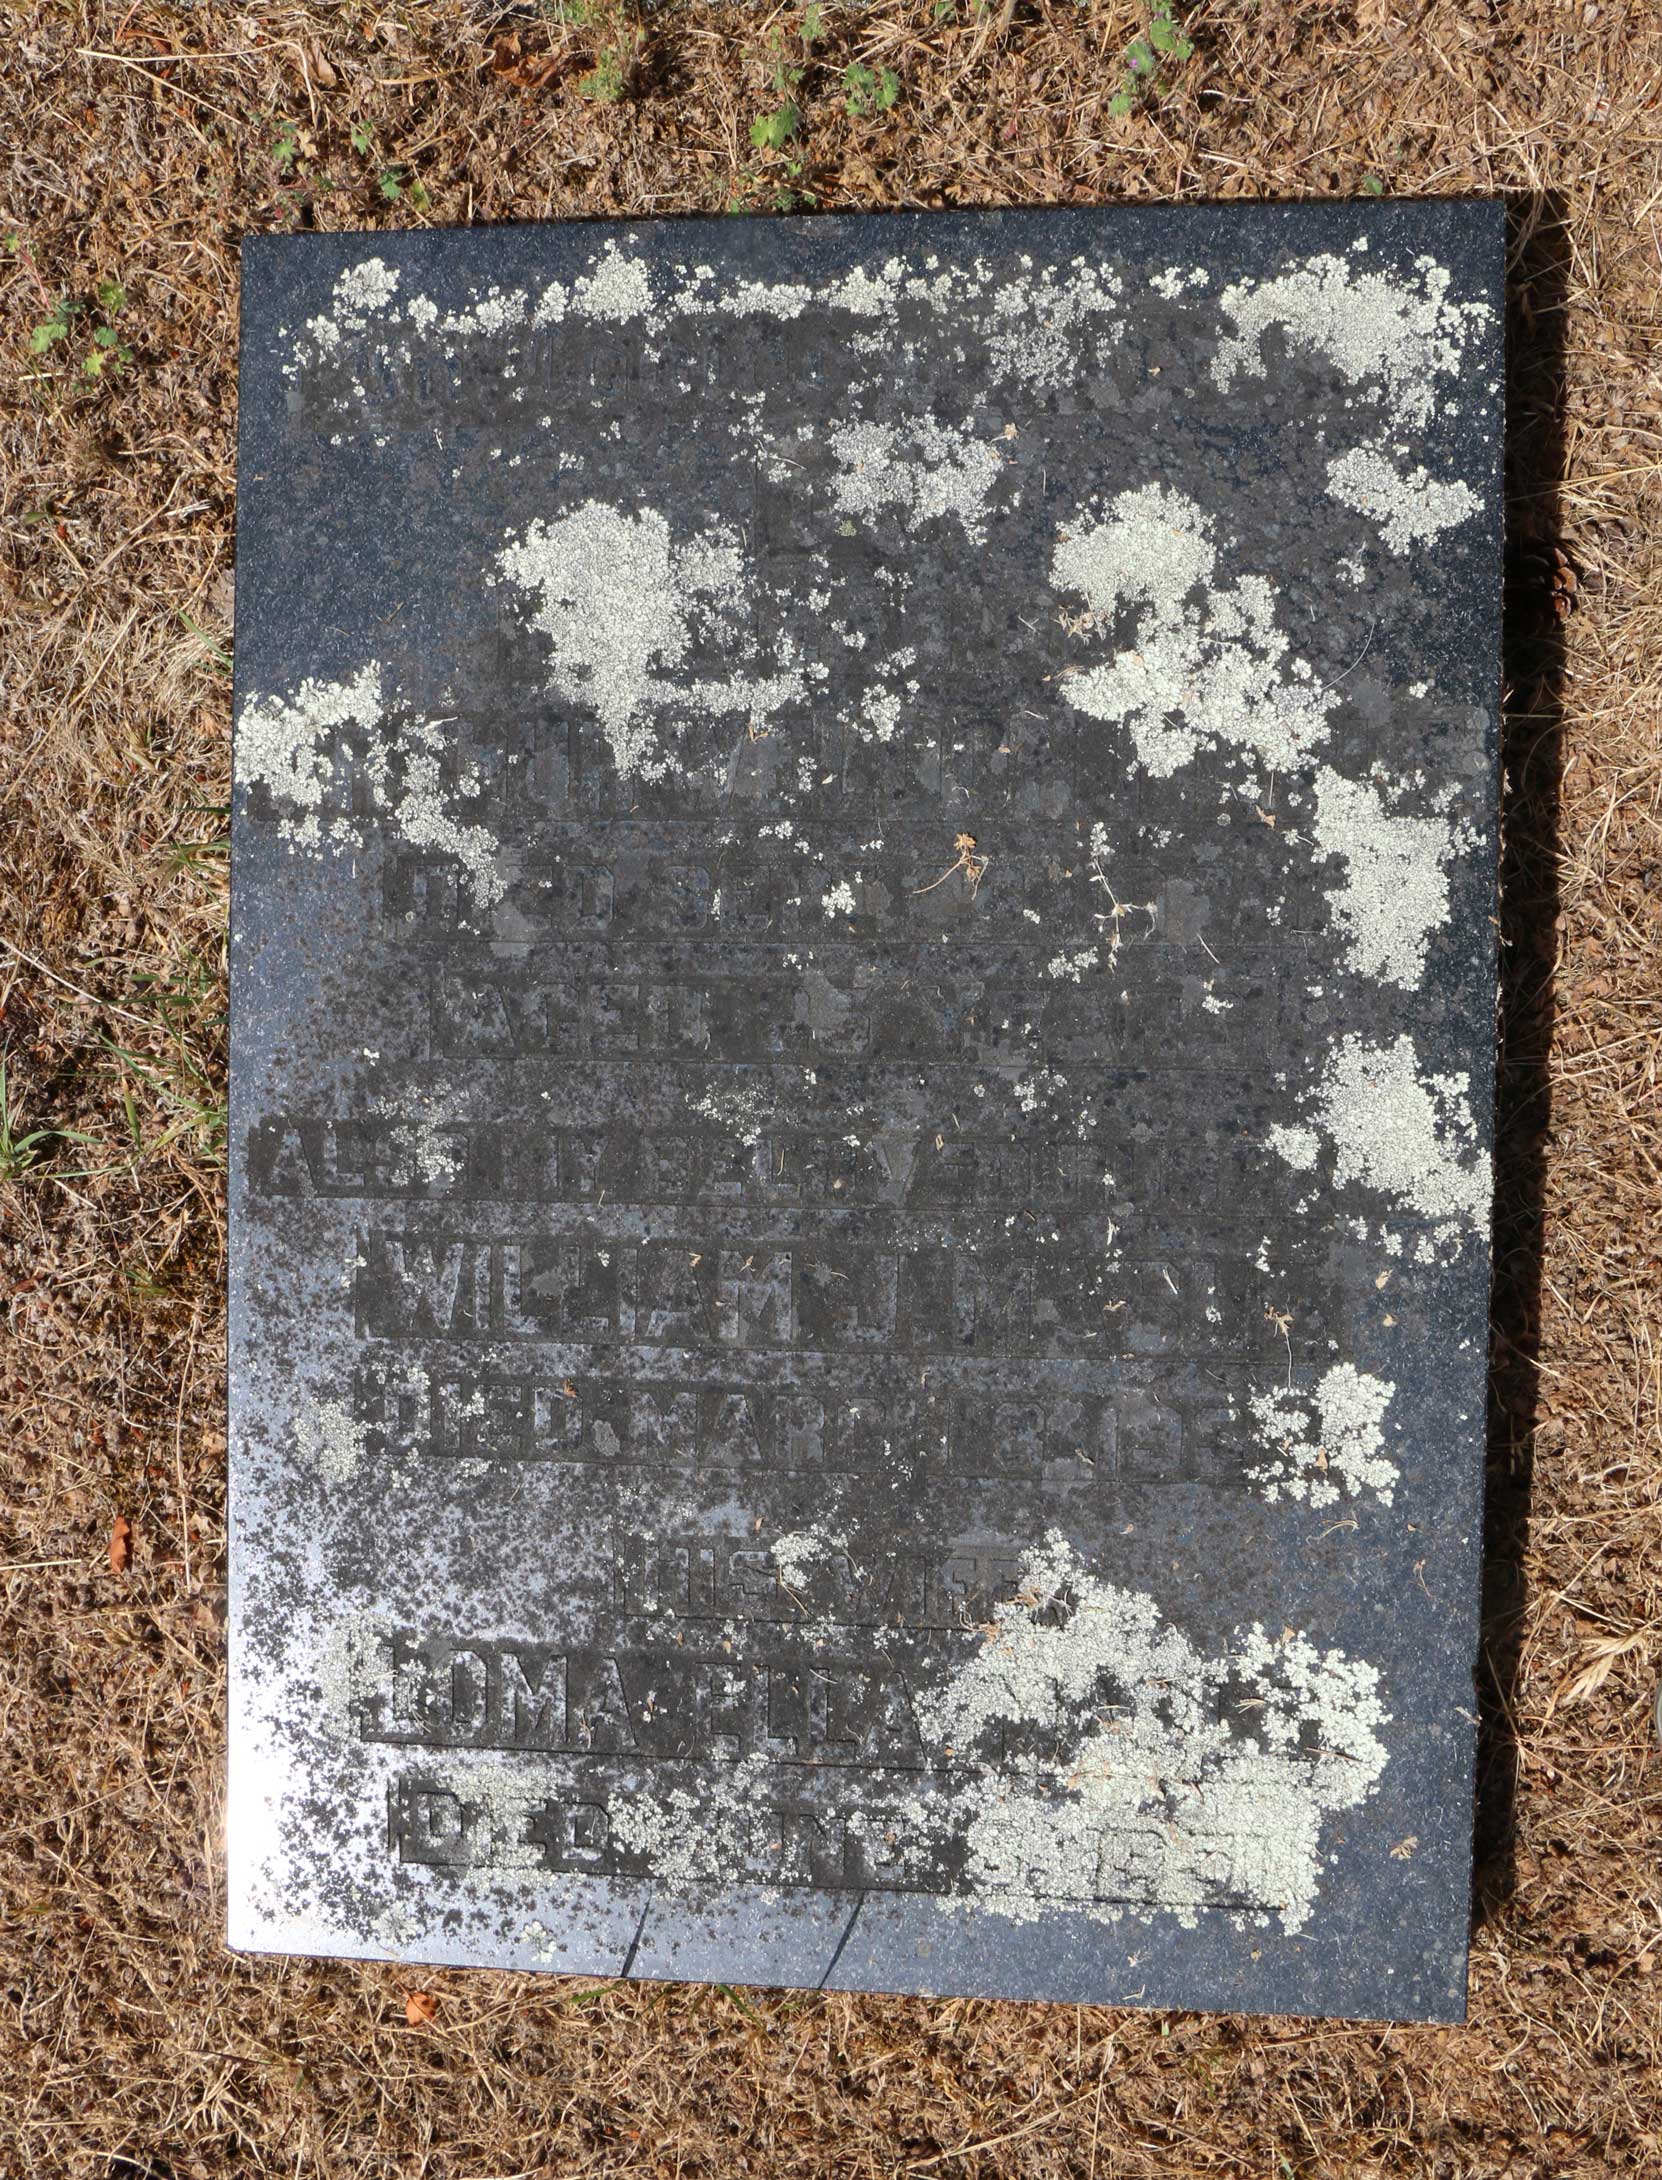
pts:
pixel 137 144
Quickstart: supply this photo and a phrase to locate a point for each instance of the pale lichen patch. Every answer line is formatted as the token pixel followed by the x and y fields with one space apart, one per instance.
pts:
pixel 329 1441
pixel 1395 891
pixel 1163 1779
pixel 1408 508
pixel 685 1838
pixel 1410 1137
pixel 1406 335
pixel 799 1552
pixel 1074 966
pixel 421 815
pixel 1206 662
pixel 621 601
pixel 1034 333
pixel 1153 1779
pixel 289 745
pixel 1325 1443
pixel 361 292
pixel 948 471
pixel 301 749
pixel 1172 281
pixel 744 1111
pixel 617 288
pixel 351 1661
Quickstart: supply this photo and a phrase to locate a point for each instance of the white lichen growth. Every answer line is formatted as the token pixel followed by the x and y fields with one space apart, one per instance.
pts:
pixel 1326 1443
pixel 622 602
pixel 329 1441
pixel 744 1111
pixel 1205 662
pixel 350 1661
pixel 799 1552
pixel 420 814
pixel 1395 891
pixel 429 1143
pixel 684 1838
pixel 1404 335
pixel 1039 326
pixel 1173 280
pixel 879 716
pixel 1408 509
pixel 925 468
pixel 1072 966
pixel 1032 1090
pixel 289 745
pixel 1300 1147
pixel 1160 1778
pixel 618 288
pixel 1409 1137
pixel 362 291
pixel 304 748
pixel 1149 1778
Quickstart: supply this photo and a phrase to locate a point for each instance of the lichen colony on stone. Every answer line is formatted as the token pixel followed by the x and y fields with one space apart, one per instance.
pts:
pixel 302 750
pixel 1406 1136
pixel 1395 891
pixel 1166 1778
pixel 1202 663
pixel 1324 1444
pixel 621 602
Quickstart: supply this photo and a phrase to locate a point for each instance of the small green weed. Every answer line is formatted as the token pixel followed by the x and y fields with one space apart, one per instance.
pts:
pixel 145 1284
pixel 869 91
pixel 54 326
pixel 108 353
pixel 399 186
pixel 787 64
pixel 192 1112
pixel 180 1000
pixel 755 195
pixel 1161 44
pixel 772 132
pixel 218 656
pixel 605 81
pixel 193 855
pixel 783 74
pixel 299 181
pixel 21 1149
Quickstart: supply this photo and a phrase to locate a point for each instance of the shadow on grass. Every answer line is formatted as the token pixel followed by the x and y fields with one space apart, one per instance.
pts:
pixel 1532 763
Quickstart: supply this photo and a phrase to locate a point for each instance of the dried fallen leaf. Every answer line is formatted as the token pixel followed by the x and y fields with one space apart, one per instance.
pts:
pixel 419 2008
pixel 121 1544
pixel 529 71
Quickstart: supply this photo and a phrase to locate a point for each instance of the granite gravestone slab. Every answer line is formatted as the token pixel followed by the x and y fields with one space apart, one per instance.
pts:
pixel 863 987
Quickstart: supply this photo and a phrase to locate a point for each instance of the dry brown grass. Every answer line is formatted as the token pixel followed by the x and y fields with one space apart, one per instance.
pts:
pixel 131 2043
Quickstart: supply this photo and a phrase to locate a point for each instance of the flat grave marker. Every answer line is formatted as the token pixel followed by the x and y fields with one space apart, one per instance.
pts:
pixel 863 993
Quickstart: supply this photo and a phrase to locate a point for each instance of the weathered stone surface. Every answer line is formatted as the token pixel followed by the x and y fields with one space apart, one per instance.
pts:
pixel 863 985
